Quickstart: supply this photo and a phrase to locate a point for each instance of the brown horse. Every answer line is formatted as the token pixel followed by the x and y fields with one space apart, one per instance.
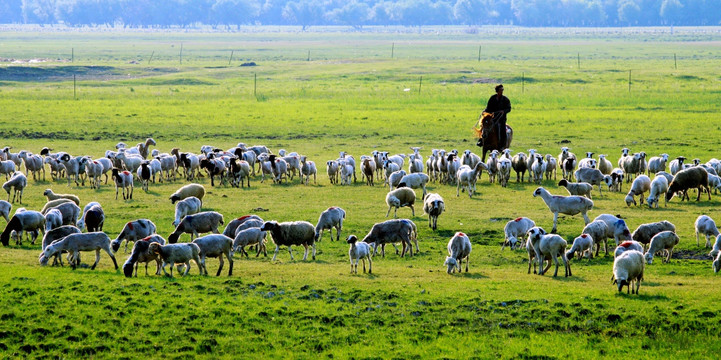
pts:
pixel 487 134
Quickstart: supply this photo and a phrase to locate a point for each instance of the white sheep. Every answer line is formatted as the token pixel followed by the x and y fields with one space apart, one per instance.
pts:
pixel 466 178
pixel 604 165
pixel 7 167
pixel 659 187
pixel 551 166
pixel 346 172
pixel 663 241
pixel 415 164
pixel 569 205
pixel 332 169
pixel 188 206
pixel 74 243
pixel 307 169
pixel 591 176
pixel 470 159
pixel 645 232
pixel 491 166
pixel 716 247
pixel 330 218
pixel 388 169
pixel 5 208
pixel 350 160
pixel 626 246
pixel 94 171
pixel 706 226
pixel 538 169
pixel 567 166
pixel 640 185
pixel 598 230
pixel 50 195
pixel 215 245
pixel 579 188
pixel 714 182
pixel 548 247
pixel 717 263
pixel 627 268
pixel 289 234
pixel 72 167
pixel 175 254
pixel 588 162
pixel 359 251
pixel 398 198
pixel 33 164
pixel 16 184
pixel 187 191
pixel 516 229
pixel 504 171
pixel 459 248
pixel 433 205
pixel 657 163
pixel 415 181
pixel 395 178
pixel 133 231
pixel 250 236
pixel 583 244
pixel 202 222
pixel 631 165
pixel 676 165
pixel 530 160
pixel 124 180
pixel 391 232
pixel 53 219
pixel 615 228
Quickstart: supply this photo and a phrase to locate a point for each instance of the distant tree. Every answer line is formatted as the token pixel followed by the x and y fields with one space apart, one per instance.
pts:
pixel 304 13
pixel 672 11
pixel 441 13
pixel 473 12
pixel 271 12
pixel 38 11
pixel 629 12
pixel 382 13
pixel 414 12
pixel 354 13
pixel 235 12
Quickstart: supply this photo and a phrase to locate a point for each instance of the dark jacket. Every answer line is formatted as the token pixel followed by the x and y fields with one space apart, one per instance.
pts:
pixel 495 104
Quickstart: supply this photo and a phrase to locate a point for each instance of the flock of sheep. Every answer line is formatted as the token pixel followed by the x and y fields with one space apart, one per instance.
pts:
pixel 62 221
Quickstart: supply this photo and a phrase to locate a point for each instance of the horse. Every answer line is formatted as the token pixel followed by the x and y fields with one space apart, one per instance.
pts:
pixel 487 134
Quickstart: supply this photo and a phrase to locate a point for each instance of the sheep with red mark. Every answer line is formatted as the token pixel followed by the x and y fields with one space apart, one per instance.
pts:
pixel 516 229
pixel 583 245
pixel 628 245
pixel 134 231
pixel 141 254
pixel 202 222
pixel 177 254
pixel 459 248
pixel 124 180
pixel 627 268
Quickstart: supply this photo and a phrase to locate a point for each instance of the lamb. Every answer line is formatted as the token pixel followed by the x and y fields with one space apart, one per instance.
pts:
pixel 215 245
pixel 359 251
pixel 141 254
pixel 332 169
pixel 329 219
pixel 188 206
pixel 433 205
pixel 289 234
pixel 395 178
pixel 5 208
pixel 631 165
pixel 74 243
pixel 28 220
pixel 175 254
pixel 615 228
pixel 657 163
pixel 53 203
pixel 50 195
pixel 617 176
pixel 626 246
pixel 628 267
pixel 591 176
pixel 459 248
pixel 547 247
pixel 134 231
pixel 72 167
pixel 415 181
pixel 187 191
pixel 378 159
pixel 467 178
pixel 391 232
pixel 659 187
pixel 214 167
pixel 144 175
pixel 55 235
pixel 665 240
pixel 350 160
pixel 706 226
pixel 645 232
pixel 676 165
pixel 389 168
pixel 640 185
pixel 202 222
pixel 569 205
pixel 504 171
pixel 94 217
pixel 581 189
pixel 7 167
pixel 368 168
pixel 520 166
pixel 346 171
pixel 53 219
pixel 516 229
pixel 551 167
pixel 694 177
pixel 491 166
pixel 604 165
pixel 598 230
pixel 470 159
pixel 250 236
pixel 232 227
pixel 582 244
pixel 123 180
pixel 17 183
pixel 307 169
pixel 400 197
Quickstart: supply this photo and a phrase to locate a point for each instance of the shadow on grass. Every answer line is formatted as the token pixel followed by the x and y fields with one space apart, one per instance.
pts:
pixel 466 275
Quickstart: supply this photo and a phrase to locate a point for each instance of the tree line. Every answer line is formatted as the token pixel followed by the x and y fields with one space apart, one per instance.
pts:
pixel 359 13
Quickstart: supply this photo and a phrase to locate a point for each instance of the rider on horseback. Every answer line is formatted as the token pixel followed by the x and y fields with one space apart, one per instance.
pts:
pixel 500 106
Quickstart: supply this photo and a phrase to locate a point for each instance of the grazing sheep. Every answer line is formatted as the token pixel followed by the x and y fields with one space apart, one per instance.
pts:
pixel 28 220
pixel 591 176
pixel 415 181
pixel 74 243
pixel 187 191
pixel 231 229
pixel 53 219
pixel 520 166
pixel 5 208
pixel 569 205
pixel 706 226
pixel 94 218
pixel 616 228
pixel 466 177
pixel 551 166
pixel 582 244
pixel 289 234
pixel 359 251
pixel 645 232
pixel 717 263
pixel 391 232
pixel 433 205
pixel 17 183
pixel 714 182
pixel 548 247
pixel 175 254
pixel 604 165
pixel 399 198
pixel 329 219
pixel 7 167
pixel 141 254
pixel 663 241
pixel 134 231
pixel 516 229
pixel 250 236
pixel 693 177
pixel 202 222
pixel 215 245
pixel 659 187
pixel 188 206
pixel 628 267
pixel 676 165
pixel 581 189
pixel 657 163
pixel 70 213
pixel 640 185
pixel 459 248
pixel 123 180
pixel 628 245
pixel 51 204
pixel 57 234
pixel 598 230
pixel 716 247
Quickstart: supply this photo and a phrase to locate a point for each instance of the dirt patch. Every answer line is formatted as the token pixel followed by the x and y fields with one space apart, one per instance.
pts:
pixel 690 254
pixel 66 73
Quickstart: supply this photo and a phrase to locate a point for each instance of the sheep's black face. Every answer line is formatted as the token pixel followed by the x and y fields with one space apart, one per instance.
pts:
pixel 115 244
pixel 563 183
pixel 537 192
pixel 128 269
pixel 352 239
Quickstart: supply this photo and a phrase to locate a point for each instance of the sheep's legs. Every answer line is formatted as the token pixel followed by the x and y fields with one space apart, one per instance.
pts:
pixel 97 259
pixel 277 248
pixel 305 255
pixel 555 221
pixel 370 264
pixel 290 251
pixel 467 263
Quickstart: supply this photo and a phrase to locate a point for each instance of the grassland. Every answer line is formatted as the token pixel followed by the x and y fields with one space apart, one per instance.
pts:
pixel 350 96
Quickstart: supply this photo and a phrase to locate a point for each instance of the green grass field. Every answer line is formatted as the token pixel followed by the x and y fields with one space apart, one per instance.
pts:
pixel 351 97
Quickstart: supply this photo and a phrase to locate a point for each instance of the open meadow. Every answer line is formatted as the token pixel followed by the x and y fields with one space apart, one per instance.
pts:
pixel 319 93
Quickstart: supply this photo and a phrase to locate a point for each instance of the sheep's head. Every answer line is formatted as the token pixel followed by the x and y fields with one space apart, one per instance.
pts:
pixel 716 265
pixel 538 191
pixel 115 244
pixel 269 226
pixel 154 248
pixel 624 151
pixel 452 265
pixel 351 239
pixel 651 200
pixel 649 258
pixel 535 233
pixel 630 200
pixel 621 284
